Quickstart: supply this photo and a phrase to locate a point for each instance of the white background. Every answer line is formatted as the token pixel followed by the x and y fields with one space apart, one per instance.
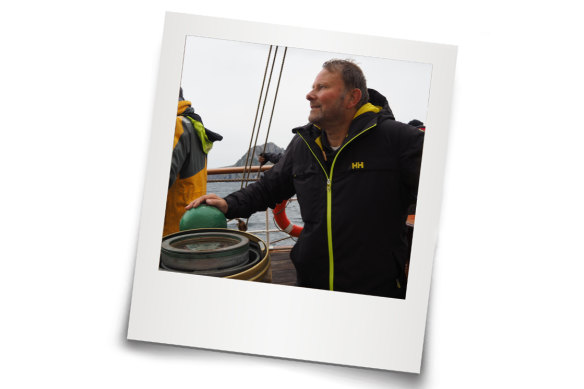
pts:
pixel 77 89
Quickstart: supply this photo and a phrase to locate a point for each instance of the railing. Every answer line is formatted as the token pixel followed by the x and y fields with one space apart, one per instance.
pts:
pixel 246 171
pixel 237 169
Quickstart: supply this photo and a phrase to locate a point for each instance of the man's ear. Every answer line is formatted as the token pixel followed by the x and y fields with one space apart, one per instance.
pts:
pixel 354 98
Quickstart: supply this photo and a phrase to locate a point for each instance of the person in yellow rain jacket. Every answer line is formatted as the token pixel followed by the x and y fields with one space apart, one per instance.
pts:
pixel 188 170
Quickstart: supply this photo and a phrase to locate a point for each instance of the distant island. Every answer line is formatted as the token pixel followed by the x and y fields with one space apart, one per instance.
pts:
pixel 269 148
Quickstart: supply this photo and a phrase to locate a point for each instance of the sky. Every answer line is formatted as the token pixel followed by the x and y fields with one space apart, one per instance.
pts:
pixel 223 80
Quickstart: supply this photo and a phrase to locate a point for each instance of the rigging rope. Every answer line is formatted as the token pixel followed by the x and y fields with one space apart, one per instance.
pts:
pixel 256 115
pixel 274 105
pixel 246 174
pixel 245 178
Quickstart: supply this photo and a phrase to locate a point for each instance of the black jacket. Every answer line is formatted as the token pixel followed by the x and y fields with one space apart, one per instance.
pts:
pixel 354 207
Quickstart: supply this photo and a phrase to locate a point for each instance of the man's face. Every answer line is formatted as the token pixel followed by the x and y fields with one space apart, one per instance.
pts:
pixel 327 99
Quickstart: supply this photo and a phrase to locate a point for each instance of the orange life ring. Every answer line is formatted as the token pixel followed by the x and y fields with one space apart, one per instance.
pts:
pixel 283 222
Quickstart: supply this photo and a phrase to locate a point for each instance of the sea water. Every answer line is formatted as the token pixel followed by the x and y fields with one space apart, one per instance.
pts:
pixel 257 221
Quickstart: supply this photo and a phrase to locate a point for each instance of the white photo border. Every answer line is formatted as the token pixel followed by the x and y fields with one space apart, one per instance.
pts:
pixel 276 320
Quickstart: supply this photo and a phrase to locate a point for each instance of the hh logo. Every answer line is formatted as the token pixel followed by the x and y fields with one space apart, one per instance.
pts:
pixel 357 165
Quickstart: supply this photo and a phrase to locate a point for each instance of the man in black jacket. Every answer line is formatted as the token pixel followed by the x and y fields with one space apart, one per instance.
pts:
pixel 355 171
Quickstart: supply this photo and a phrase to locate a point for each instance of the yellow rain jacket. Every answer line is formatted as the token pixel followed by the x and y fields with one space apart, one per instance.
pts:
pixel 188 172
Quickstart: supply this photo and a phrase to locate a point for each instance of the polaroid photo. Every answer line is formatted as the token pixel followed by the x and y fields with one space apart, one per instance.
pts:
pixel 251 84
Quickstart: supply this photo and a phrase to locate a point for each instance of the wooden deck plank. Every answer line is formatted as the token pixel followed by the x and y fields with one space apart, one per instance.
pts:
pixel 283 271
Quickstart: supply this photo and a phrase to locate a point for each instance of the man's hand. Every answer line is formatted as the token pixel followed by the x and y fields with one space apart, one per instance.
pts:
pixel 209 199
pixel 262 159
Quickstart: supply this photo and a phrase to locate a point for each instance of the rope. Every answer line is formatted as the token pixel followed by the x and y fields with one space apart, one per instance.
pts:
pixel 274 105
pixel 246 174
pixel 261 117
pixel 257 111
pixel 251 152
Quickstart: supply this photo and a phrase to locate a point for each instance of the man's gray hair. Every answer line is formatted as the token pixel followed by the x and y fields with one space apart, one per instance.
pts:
pixel 352 76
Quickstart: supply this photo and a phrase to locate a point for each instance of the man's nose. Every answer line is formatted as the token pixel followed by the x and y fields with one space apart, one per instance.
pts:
pixel 310 96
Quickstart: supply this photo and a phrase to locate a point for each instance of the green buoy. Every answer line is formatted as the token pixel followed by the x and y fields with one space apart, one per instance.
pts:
pixel 204 216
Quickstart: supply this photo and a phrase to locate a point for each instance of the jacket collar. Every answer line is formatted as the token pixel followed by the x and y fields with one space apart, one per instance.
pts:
pixel 364 120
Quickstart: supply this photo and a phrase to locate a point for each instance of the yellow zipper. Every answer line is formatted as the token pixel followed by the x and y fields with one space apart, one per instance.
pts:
pixel 329 201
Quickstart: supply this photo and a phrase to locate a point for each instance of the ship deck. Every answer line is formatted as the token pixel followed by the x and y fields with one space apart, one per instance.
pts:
pixel 283 271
